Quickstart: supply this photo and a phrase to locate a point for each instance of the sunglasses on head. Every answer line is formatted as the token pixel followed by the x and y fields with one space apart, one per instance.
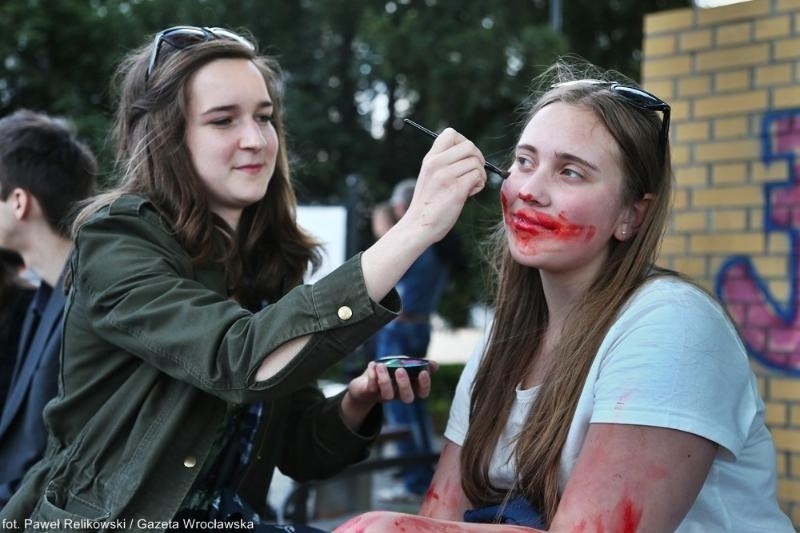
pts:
pixel 180 37
pixel 645 100
pixel 637 98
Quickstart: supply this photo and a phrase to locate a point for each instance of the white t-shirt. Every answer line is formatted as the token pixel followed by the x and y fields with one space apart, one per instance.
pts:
pixel 672 359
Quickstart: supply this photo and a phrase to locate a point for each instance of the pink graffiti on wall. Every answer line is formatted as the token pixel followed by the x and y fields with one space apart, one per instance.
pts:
pixel 771 328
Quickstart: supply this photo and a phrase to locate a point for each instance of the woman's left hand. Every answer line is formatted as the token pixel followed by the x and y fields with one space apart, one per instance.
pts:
pixel 374 385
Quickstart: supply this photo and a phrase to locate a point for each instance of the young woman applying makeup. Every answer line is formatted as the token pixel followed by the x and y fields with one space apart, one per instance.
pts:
pixel 610 395
pixel 187 306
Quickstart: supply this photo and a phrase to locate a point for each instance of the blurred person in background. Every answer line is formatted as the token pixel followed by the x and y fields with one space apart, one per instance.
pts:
pixel 382 219
pixel 45 170
pixel 420 290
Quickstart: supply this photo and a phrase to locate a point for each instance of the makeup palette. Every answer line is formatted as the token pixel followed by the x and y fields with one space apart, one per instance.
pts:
pixel 412 365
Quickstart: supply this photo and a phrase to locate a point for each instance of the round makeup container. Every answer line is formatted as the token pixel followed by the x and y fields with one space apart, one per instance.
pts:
pixel 412 365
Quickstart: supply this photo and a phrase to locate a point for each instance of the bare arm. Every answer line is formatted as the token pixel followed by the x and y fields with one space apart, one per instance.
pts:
pixel 634 478
pixel 443 508
pixel 451 172
pixel 383 521
pixel 627 478
pixel 445 498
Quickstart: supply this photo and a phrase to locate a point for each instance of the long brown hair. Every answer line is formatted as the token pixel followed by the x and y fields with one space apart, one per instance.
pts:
pixel 268 253
pixel 521 314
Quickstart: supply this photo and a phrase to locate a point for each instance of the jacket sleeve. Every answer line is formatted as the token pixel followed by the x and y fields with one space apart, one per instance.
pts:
pixel 320 443
pixel 142 296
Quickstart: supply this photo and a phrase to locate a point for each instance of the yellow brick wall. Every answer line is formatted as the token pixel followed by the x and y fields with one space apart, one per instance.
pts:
pixel 732 76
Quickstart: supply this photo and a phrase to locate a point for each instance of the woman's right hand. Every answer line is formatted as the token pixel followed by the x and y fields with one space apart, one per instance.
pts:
pixel 451 172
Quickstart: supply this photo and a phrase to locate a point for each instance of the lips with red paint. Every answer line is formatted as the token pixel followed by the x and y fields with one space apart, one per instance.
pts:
pixel 537 223
pixel 534 222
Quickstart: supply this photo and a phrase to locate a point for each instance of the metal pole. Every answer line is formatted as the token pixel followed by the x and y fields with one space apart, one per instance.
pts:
pixel 555 15
pixel 352 202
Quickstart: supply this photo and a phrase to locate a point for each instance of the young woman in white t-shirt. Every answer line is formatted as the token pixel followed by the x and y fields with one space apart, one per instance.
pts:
pixel 610 395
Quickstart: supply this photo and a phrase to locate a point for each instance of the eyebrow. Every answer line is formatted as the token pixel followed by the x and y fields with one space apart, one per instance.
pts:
pixel 564 156
pixel 266 104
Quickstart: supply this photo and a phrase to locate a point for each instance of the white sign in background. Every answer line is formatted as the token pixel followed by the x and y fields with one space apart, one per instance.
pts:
pixel 328 224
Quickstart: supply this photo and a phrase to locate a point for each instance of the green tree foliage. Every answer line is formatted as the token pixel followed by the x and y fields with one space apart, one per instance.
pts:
pixel 610 33
pixel 354 69
pixel 57 57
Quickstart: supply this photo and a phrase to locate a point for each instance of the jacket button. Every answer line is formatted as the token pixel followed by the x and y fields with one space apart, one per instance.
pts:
pixel 190 462
pixel 345 313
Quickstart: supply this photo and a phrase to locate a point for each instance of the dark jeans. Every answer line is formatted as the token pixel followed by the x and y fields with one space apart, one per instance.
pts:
pixel 408 338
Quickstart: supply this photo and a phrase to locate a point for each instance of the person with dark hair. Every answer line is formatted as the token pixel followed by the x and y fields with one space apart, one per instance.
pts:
pixel 611 395
pixel 187 305
pixel 44 172
pixel 15 295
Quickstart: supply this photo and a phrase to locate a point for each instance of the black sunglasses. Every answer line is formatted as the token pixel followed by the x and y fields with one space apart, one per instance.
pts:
pixel 645 100
pixel 179 37
pixel 637 98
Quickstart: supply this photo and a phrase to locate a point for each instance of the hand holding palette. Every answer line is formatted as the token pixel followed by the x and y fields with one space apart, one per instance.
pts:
pixel 412 365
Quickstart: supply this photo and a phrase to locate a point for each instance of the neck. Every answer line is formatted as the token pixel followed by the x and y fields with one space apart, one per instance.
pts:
pixel 48 256
pixel 561 295
pixel 565 288
pixel 562 292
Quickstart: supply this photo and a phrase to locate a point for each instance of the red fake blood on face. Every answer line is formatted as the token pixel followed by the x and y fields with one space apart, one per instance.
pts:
pixel 527 225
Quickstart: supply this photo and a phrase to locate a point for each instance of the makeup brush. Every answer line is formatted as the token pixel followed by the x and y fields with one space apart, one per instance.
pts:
pixel 488 166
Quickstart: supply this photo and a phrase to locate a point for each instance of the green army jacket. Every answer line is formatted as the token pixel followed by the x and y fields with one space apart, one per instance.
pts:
pixel 154 352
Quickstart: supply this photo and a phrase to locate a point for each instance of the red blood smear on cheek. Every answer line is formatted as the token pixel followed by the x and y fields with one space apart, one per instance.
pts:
pixel 567 230
pixel 540 224
pixel 522 238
